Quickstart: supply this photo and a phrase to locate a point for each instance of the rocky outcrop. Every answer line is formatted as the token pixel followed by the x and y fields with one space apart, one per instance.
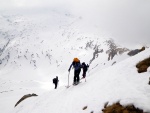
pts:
pixel 136 51
pixel 143 65
pixel 25 97
pixel 118 108
pixel 114 49
pixel 95 53
pixel 89 44
pixel 1 50
pixel 96 47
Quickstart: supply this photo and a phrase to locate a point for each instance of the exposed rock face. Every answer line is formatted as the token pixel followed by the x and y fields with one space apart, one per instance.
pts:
pixel 24 97
pixel 84 108
pixel 118 108
pixel 143 65
pixel 114 63
pixel 136 51
pixel 95 47
pixel 89 44
pixel 95 53
pixel 133 52
pixel 1 50
pixel 114 49
pixel 6 57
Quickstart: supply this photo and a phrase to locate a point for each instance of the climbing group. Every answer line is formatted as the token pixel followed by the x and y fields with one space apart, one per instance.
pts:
pixel 77 69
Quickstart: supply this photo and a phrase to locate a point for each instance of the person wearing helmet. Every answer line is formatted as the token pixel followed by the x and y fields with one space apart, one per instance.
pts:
pixel 77 69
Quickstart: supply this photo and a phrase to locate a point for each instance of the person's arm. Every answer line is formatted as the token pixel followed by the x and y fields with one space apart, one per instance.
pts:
pixel 81 66
pixel 70 67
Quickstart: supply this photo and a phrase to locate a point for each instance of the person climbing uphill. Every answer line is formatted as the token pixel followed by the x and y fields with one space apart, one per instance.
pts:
pixel 85 68
pixel 77 69
pixel 55 81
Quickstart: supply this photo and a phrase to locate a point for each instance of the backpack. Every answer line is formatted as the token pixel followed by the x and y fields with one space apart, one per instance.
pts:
pixel 85 67
pixel 77 65
pixel 54 80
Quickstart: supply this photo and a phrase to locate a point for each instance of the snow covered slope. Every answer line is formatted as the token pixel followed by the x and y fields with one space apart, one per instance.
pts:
pixel 119 82
pixel 51 42
pixel 34 49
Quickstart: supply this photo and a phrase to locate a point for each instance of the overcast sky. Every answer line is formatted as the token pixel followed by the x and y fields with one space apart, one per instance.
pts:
pixel 126 20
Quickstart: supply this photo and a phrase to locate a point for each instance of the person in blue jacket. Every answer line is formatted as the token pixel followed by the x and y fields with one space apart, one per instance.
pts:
pixel 77 69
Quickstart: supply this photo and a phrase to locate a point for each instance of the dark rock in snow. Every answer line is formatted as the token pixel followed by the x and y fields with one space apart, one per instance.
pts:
pixel 24 97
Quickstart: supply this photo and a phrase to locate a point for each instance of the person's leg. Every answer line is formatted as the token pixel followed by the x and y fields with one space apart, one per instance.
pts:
pixel 55 85
pixel 74 80
pixel 83 75
pixel 78 77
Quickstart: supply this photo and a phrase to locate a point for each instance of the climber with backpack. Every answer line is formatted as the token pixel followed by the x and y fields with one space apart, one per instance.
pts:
pixel 85 68
pixel 55 81
pixel 77 69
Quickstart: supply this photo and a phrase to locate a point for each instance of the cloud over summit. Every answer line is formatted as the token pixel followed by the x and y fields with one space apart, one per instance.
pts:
pixel 126 20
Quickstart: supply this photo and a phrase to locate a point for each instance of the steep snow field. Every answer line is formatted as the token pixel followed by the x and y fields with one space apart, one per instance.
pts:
pixel 120 82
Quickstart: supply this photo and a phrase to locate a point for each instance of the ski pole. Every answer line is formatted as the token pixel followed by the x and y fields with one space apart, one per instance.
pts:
pixel 68 78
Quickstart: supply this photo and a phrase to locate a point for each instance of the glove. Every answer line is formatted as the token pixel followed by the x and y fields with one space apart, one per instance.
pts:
pixel 69 70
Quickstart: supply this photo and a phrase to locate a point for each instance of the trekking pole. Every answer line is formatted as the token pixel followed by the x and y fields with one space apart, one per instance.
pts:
pixel 68 79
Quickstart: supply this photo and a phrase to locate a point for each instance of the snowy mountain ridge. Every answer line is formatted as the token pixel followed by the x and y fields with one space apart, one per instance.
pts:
pixel 25 47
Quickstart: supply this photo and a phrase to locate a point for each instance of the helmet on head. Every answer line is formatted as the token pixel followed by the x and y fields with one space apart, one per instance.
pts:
pixel 76 60
pixel 83 63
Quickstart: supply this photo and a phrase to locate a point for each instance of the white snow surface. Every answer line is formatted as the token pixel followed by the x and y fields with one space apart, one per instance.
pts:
pixel 41 48
pixel 120 82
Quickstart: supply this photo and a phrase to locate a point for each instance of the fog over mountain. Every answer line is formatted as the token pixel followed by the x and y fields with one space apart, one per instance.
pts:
pixel 126 21
pixel 40 38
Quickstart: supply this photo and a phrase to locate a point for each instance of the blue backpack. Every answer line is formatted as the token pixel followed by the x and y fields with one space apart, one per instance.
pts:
pixel 76 65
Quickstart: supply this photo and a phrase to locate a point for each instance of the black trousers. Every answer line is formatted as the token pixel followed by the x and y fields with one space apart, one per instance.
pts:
pixel 55 85
pixel 76 75
pixel 84 73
